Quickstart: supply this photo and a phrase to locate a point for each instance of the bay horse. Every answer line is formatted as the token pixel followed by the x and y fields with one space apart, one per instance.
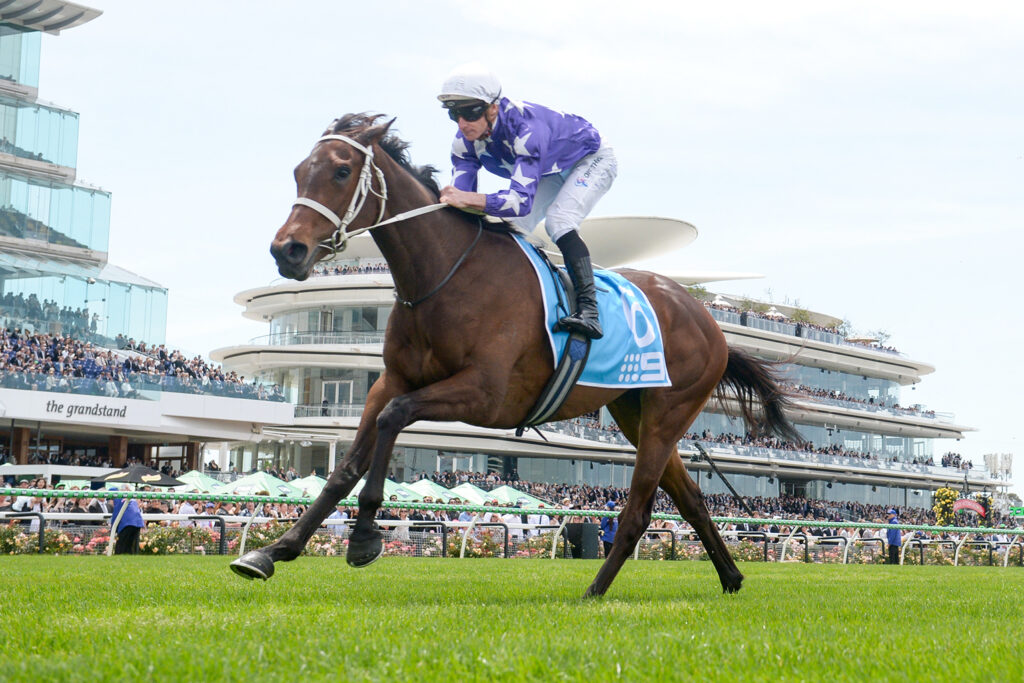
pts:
pixel 465 343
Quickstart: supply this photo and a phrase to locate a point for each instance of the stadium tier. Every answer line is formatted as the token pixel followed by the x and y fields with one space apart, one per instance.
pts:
pixel 862 442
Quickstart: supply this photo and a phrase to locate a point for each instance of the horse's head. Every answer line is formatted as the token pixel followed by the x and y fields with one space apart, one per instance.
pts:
pixel 333 183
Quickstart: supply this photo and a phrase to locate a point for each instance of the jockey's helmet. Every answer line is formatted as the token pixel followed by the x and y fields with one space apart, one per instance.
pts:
pixel 469 82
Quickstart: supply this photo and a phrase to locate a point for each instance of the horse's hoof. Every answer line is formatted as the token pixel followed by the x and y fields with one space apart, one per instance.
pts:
pixel 364 551
pixel 254 565
pixel 732 584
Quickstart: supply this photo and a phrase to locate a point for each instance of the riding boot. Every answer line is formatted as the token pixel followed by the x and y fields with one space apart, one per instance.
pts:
pixel 577 261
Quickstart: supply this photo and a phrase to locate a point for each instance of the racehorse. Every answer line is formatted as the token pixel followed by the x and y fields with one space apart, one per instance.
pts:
pixel 465 343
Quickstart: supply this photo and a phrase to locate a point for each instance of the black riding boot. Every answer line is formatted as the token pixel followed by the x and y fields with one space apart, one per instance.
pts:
pixel 577 262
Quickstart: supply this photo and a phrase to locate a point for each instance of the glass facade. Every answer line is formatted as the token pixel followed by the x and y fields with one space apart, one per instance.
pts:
pixel 311 386
pixel 59 302
pixel 19 55
pixel 331 320
pixel 903 449
pixel 32 131
pixel 855 386
pixel 64 215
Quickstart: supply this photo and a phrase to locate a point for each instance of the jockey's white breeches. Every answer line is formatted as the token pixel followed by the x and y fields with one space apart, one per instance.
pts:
pixel 564 199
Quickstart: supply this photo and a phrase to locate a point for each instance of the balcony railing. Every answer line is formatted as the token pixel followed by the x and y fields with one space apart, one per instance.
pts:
pixel 329 410
pixel 300 338
pixel 574 428
pixel 139 386
pixel 793 329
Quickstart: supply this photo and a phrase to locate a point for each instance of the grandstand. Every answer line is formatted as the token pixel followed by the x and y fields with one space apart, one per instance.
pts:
pixel 864 444
pixel 71 389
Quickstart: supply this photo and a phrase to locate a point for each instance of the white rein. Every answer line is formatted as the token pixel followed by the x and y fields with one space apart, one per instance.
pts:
pixel 338 241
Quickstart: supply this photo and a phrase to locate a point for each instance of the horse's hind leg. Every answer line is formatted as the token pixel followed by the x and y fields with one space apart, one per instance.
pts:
pixel 654 426
pixel 259 564
pixel 687 497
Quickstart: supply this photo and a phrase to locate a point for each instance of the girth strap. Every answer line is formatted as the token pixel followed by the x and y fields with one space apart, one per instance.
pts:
pixel 570 367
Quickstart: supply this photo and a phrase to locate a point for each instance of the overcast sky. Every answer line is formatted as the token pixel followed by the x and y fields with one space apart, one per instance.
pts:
pixel 868 159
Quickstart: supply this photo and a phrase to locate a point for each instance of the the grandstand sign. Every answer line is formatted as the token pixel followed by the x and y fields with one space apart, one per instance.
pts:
pixel 1017 512
pixel 97 409
pixel 968 504
pixel 51 407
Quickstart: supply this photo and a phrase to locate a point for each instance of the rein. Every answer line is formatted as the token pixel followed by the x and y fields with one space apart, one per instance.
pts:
pixel 338 240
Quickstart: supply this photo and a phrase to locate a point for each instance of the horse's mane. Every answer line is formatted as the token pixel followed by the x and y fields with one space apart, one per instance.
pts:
pixel 398 150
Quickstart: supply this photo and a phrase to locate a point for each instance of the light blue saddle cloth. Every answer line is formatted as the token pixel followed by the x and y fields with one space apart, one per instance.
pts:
pixel 631 353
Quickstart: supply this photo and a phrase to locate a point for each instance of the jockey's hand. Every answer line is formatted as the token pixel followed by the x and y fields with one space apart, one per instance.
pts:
pixel 460 199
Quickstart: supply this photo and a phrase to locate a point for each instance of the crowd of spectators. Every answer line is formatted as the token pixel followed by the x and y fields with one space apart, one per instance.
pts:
pixel 322 269
pixel 584 497
pixel 779 317
pixel 48 315
pixel 836 395
pixel 50 362
pixel 956 460
pixel 591 428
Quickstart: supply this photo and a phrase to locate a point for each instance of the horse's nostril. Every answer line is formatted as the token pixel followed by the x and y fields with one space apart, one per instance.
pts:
pixel 295 252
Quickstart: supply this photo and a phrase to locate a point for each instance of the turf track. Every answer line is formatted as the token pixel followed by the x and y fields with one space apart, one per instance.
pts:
pixel 190 619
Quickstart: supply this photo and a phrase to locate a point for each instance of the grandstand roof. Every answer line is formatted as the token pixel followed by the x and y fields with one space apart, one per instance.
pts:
pixel 48 16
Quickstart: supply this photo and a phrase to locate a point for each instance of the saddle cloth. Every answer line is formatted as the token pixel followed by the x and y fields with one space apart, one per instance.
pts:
pixel 631 353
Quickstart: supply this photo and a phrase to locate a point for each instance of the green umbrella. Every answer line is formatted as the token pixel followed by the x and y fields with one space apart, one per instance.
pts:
pixel 311 485
pixel 391 488
pixel 506 495
pixel 471 494
pixel 426 487
pixel 194 479
pixel 259 481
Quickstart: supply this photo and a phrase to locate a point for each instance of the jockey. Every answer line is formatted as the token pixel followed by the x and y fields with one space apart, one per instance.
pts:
pixel 556 162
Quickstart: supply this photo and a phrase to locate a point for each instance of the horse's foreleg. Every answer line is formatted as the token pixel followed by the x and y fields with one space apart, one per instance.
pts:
pixel 260 563
pixel 687 497
pixel 636 515
pixel 461 397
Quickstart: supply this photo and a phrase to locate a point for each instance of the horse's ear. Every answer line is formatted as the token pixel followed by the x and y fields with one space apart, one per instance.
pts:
pixel 375 134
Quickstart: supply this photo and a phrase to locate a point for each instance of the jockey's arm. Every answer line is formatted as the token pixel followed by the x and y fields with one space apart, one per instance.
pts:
pixel 461 199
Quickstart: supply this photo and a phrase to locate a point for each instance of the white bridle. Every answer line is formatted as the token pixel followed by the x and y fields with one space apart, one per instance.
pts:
pixel 338 240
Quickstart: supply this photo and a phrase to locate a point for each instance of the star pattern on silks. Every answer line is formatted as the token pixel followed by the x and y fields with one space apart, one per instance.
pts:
pixel 520 145
pixel 480 147
pixel 512 201
pixel 520 106
pixel 518 177
pixel 456 174
pixel 554 168
pixel 459 147
pixel 507 165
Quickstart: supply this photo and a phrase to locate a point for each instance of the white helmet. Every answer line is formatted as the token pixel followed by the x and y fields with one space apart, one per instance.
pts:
pixel 471 81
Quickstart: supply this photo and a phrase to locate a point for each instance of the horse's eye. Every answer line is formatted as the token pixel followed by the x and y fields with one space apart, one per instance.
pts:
pixel 342 172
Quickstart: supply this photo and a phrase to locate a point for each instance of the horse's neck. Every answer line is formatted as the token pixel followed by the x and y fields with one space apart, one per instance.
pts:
pixel 420 250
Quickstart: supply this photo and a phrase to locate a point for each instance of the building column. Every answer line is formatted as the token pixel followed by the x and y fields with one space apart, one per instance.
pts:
pixel 192 455
pixel 19 445
pixel 332 449
pixel 117 448
pixel 224 457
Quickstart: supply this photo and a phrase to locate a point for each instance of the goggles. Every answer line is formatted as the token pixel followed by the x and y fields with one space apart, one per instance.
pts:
pixel 470 112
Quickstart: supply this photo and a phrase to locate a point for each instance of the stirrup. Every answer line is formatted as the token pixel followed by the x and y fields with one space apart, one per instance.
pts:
pixel 576 323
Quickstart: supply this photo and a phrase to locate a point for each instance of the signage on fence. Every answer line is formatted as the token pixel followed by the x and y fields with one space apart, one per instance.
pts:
pixel 968 504
pixel 1017 512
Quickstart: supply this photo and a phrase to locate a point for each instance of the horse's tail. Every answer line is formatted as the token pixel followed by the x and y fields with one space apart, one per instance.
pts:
pixel 754 383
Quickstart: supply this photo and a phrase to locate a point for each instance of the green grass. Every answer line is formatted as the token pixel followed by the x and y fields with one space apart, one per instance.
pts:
pixel 189 619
